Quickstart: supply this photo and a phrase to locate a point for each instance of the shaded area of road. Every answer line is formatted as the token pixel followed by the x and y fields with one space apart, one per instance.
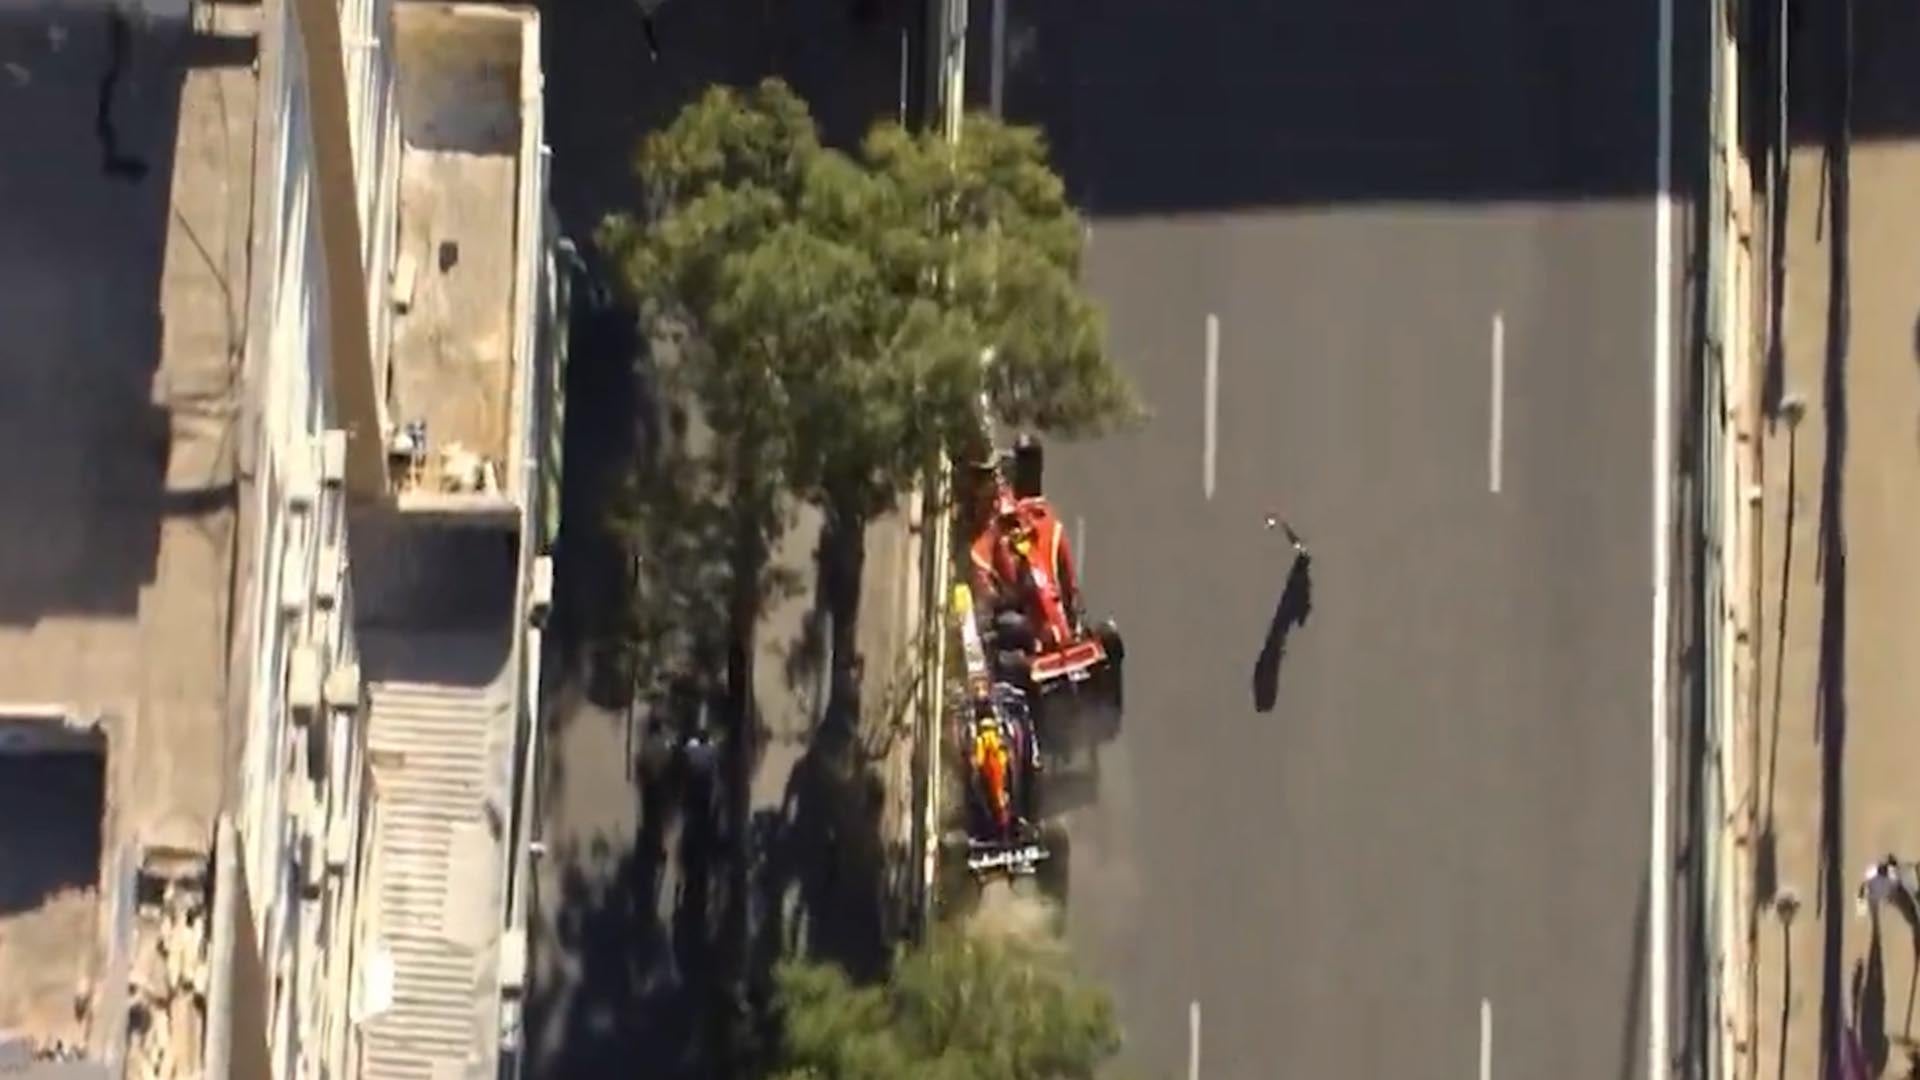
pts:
pixel 1364 101
pixel 639 905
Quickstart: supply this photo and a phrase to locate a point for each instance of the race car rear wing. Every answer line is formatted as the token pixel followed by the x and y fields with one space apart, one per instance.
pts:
pixel 1075 663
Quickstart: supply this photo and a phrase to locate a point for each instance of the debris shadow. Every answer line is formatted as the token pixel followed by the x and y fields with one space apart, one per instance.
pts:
pixel 1292 611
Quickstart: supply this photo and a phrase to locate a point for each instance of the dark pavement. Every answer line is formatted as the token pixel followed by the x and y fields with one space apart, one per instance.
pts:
pixel 1448 803
pixel 625 921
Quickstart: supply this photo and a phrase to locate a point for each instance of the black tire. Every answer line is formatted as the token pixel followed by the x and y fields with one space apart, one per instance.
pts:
pixel 1109 634
pixel 1113 683
pixel 1055 873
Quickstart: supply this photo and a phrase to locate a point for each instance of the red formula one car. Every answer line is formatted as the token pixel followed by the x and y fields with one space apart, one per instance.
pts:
pixel 1024 584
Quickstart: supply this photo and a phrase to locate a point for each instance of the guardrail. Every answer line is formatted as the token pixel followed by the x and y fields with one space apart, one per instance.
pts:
pixel 949 19
pixel 1729 406
pixel 936 572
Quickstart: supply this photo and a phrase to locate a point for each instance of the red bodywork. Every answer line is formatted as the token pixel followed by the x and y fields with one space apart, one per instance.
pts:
pixel 1022 552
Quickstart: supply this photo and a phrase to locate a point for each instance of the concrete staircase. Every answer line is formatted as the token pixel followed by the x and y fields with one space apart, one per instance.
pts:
pixel 438 907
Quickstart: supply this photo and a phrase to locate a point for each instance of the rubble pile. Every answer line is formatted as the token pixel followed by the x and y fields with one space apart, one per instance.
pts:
pixel 167 1011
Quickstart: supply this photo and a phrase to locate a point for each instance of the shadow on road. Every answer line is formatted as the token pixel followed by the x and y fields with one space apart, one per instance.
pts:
pixel 1869 1035
pixel 1766 857
pixel 842 56
pixel 1786 905
pixel 1631 1043
pixel 822 868
pixel 1296 604
pixel 649 939
pixel 1831 714
pixel 1218 105
pixel 641 925
pixel 637 935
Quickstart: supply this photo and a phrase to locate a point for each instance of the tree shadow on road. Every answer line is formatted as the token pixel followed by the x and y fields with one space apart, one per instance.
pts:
pixel 1631 1044
pixel 604 915
pixel 825 875
pixel 815 876
pixel 1292 611
pixel 640 625
pixel 623 653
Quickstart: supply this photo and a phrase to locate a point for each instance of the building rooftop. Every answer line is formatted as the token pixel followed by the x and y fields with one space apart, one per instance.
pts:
pixel 465 76
pixel 124 194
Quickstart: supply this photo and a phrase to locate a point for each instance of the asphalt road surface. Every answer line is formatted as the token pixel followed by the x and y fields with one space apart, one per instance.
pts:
pixel 620 951
pixel 1425 237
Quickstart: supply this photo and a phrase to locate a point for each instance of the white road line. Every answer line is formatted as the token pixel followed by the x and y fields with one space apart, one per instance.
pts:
pixel 1193 1040
pixel 1486 1039
pixel 1496 427
pixel 1659 864
pixel 1213 403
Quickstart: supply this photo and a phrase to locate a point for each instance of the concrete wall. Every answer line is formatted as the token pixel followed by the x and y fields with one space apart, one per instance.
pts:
pixel 373 111
pixel 301 792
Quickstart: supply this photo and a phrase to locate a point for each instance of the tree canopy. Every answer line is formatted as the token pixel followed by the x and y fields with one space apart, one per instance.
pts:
pixel 959 1008
pixel 833 309
pixel 824 316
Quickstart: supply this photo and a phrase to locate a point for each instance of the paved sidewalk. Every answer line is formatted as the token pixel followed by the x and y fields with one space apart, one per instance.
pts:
pixel 1838 739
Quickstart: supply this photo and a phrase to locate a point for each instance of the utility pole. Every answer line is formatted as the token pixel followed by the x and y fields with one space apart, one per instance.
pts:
pixel 997 61
pixel 953 64
pixel 948 19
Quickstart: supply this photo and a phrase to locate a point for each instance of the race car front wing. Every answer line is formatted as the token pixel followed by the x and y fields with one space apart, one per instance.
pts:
pixel 1019 859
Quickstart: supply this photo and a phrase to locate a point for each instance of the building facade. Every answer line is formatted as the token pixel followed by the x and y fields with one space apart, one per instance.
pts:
pixel 402 412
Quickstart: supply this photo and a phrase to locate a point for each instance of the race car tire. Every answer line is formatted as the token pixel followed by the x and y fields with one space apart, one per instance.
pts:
pixel 1054 875
pixel 1115 681
pixel 1109 634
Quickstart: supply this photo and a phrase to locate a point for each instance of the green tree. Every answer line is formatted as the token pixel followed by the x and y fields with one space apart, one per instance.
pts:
pixel 826 315
pixel 960 1008
pixel 835 308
